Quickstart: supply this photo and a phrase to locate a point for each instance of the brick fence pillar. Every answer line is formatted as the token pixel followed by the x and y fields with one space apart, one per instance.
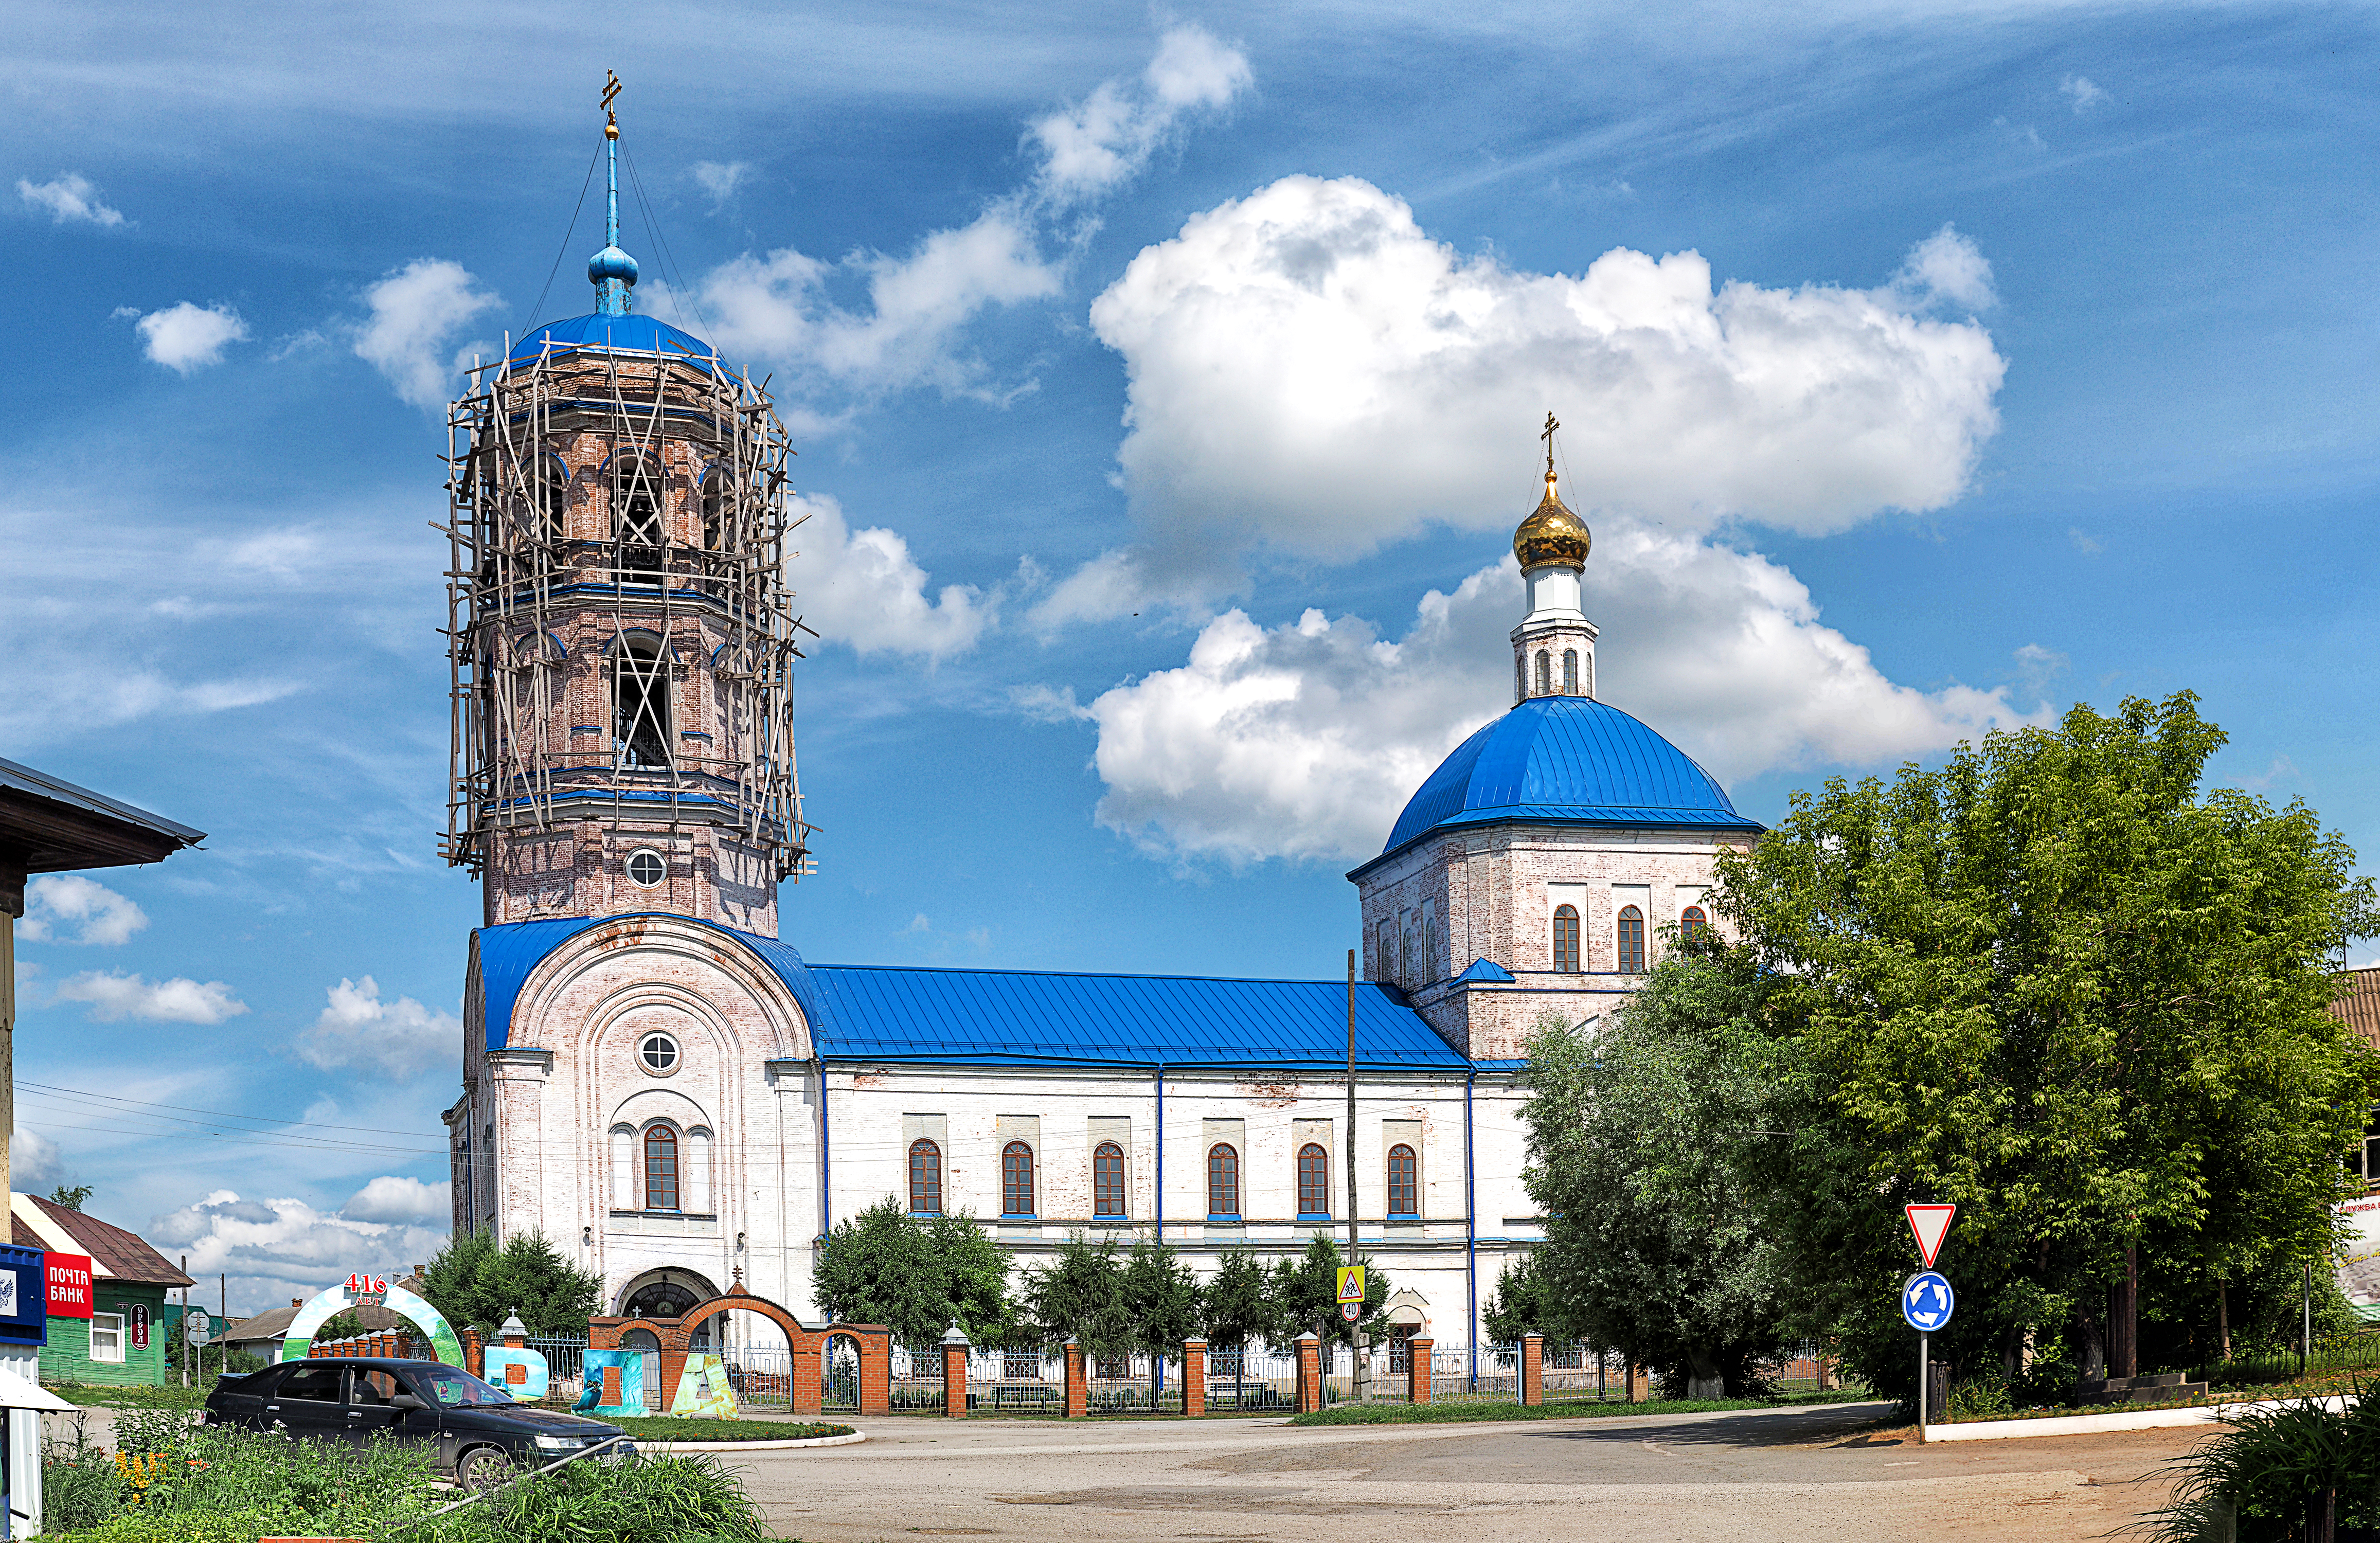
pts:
pixel 1417 1368
pixel 1078 1387
pixel 1194 1378
pixel 955 1354
pixel 875 1371
pixel 1309 1373
pixel 471 1348
pixel 1533 1369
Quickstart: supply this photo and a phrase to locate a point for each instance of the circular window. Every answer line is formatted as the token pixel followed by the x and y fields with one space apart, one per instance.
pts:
pixel 646 867
pixel 658 1053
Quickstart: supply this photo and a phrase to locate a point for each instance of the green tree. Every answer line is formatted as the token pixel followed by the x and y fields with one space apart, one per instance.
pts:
pixel 72 1196
pixel 1524 1303
pixel 2053 984
pixel 1238 1304
pixel 474 1282
pixel 1638 1130
pixel 1080 1295
pixel 1161 1298
pixel 1306 1290
pixel 915 1275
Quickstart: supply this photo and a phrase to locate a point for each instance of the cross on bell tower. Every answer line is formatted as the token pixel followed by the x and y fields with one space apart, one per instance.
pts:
pixel 1553 648
pixel 621 635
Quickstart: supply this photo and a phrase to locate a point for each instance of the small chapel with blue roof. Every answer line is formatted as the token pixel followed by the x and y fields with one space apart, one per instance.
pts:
pixel 661 1083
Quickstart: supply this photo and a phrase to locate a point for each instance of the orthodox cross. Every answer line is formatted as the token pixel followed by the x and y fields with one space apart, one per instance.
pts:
pixel 1547 435
pixel 611 89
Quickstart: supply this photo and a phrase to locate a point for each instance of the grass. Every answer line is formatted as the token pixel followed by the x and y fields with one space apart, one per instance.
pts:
pixel 673 1427
pixel 103 1396
pixel 1433 1414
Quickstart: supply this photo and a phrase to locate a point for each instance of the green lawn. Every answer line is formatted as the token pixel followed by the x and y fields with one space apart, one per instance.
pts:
pixel 1429 1414
pixel 671 1428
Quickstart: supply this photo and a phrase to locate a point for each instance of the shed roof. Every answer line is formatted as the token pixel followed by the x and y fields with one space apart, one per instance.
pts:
pixel 58 826
pixel 2358 1004
pixel 115 1253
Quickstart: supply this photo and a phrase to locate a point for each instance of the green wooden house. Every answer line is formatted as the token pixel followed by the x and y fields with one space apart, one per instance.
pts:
pixel 126 1336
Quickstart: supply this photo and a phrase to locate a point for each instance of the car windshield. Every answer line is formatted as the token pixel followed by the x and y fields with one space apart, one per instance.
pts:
pixel 457 1389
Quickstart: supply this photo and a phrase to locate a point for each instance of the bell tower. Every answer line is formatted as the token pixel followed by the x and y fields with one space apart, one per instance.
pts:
pixel 619 629
pixel 1553 648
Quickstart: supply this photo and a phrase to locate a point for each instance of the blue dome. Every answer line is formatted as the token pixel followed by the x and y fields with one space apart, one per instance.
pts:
pixel 1567 760
pixel 633 333
pixel 611 263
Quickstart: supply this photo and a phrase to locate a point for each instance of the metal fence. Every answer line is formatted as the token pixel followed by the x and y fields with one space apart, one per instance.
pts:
pixel 566 1364
pixel 1136 1384
pixel 916 1381
pixel 1251 1377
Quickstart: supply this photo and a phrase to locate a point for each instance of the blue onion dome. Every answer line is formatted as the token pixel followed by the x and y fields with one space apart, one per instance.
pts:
pixel 1568 760
pixel 1551 535
pixel 611 263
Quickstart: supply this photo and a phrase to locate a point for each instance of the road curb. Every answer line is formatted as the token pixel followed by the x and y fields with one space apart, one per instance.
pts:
pixel 680 1449
pixel 2089 1424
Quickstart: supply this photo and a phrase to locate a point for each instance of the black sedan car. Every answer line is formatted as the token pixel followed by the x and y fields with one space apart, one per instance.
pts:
pixel 481 1433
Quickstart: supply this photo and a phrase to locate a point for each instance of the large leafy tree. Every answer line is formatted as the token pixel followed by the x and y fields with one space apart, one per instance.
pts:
pixel 915 1275
pixel 1638 1129
pixel 476 1281
pixel 2053 983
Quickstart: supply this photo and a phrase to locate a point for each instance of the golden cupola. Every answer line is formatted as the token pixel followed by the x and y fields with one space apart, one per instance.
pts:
pixel 1551 534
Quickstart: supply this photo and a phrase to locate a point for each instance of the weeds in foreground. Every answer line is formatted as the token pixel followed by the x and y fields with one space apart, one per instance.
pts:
pixel 2295 1472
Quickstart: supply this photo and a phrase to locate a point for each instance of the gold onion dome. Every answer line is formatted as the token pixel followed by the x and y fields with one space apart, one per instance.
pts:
pixel 1552 534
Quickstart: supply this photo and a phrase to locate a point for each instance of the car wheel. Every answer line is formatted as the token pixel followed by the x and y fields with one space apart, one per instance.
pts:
pixel 484 1468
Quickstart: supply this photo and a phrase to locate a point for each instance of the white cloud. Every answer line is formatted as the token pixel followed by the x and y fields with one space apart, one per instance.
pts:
pixel 115 994
pixel 919 924
pixel 719 180
pixel 1945 269
pixel 1104 139
pixel 862 588
pixel 274 1249
pixel 68 196
pixel 358 1031
pixel 1304 740
pixel 416 312
pixel 186 338
pixel 2079 90
pixel 104 915
pixel 35 1164
pixel 1309 370
pixel 391 1198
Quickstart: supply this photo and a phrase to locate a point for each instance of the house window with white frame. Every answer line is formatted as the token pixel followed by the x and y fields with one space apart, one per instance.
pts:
pixel 107 1337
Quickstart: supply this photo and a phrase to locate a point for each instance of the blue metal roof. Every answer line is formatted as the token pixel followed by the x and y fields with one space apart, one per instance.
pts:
pixel 1567 760
pixel 1029 1017
pixel 638 332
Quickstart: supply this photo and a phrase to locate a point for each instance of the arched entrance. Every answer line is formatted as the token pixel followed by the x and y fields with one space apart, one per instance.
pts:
pixel 839 1373
pixel 866 1349
pixel 359 1290
pixel 671 1293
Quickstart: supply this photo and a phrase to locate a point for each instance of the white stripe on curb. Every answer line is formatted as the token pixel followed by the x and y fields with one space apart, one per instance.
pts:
pixel 2086 1425
pixel 680 1449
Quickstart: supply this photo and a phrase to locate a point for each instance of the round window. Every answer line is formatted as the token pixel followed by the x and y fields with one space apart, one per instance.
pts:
pixel 658 1053
pixel 646 867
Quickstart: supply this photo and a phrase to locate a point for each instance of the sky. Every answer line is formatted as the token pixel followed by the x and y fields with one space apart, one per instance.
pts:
pixel 1166 384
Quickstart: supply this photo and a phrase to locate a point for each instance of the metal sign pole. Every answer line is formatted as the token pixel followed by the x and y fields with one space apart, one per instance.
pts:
pixel 1362 1367
pixel 1922 1369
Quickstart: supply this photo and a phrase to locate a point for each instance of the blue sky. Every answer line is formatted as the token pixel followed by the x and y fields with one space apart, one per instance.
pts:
pixel 1165 385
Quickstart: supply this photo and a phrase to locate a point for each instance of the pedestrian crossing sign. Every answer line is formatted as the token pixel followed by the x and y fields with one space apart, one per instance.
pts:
pixel 1351 1283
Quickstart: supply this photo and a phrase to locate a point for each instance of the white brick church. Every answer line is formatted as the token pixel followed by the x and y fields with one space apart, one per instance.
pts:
pixel 669 1090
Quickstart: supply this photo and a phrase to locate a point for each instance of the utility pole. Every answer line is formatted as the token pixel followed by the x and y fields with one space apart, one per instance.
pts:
pixel 1362 1359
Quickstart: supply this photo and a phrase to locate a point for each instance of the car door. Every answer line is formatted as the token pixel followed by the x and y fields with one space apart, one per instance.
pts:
pixel 308 1400
pixel 370 1409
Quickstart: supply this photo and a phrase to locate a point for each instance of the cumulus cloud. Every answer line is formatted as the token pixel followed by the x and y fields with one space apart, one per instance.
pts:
pixel 1101 141
pixel 186 338
pixel 1304 740
pixel 2079 90
pixel 391 1198
pixel 114 994
pixel 1309 370
pixel 1945 269
pixel 34 1161
pixel 862 588
pixel 275 1249
pixel 358 1031
pixel 100 914
pixel 719 180
pixel 67 196
pixel 416 312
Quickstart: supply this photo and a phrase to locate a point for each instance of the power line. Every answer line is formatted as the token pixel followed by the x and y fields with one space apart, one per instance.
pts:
pixel 222 1114
pixel 585 183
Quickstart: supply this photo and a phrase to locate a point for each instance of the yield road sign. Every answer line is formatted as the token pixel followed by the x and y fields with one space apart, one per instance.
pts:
pixel 1928 1223
pixel 1351 1283
pixel 1926 1302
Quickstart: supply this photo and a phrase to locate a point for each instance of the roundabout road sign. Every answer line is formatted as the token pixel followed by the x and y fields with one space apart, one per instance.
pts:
pixel 1926 1302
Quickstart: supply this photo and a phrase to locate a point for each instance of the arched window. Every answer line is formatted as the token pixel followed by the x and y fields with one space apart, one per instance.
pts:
pixel 1107 1179
pixel 925 1179
pixel 640 704
pixel 1566 939
pixel 1017 1179
pixel 661 1168
pixel 1693 927
pixel 1545 677
pixel 1404 1181
pixel 1388 951
pixel 1632 940
pixel 717 505
pixel 637 512
pixel 1222 1180
pixel 1520 678
pixel 1313 1180
pixel 552 494
pixel 1570 671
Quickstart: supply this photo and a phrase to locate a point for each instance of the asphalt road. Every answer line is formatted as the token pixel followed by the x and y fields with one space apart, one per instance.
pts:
pixel 1816 1473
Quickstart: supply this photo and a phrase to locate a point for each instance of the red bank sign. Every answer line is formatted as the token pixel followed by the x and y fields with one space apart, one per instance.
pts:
pixel 69 1284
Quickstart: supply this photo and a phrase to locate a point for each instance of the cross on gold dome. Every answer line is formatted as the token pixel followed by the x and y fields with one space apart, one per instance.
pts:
pixel 1547 435
pixel 610 117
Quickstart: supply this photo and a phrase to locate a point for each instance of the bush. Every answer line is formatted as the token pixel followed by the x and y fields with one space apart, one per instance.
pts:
pixel 2271 1474
pixel 1987 1397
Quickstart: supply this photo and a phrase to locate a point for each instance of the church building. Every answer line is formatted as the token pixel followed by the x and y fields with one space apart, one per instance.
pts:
pixel 657 1078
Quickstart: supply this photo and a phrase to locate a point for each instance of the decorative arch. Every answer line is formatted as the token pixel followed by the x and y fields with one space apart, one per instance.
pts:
pixel 396 1299
pixel 809 1348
